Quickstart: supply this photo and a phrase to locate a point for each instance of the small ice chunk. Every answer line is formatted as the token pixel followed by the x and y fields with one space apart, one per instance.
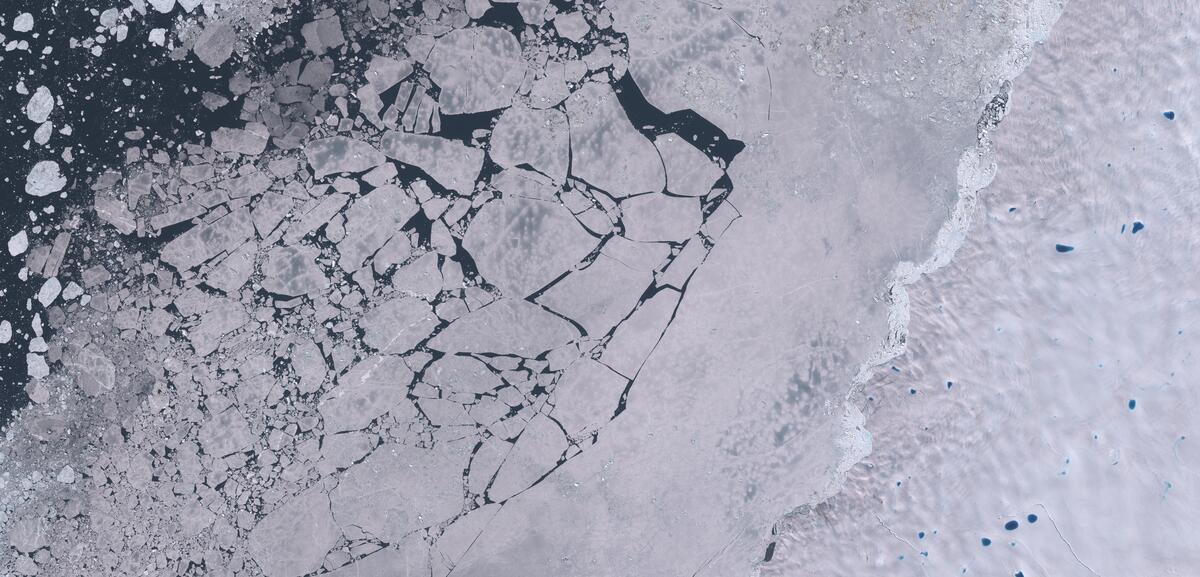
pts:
pixel 323 34
pixel 340 154
pixel 114 212
pixel 269 212
pixel 45 178
pixel 40 105
pixel 452 164
pixel 96 372
pixel 477 8
pixel 18 243
pixel 215 44
pixel 58 251
pixel 23 22
pixel 225 317
pixel 158 36
pixel 72 291
pixel 108 18
pixel 29 534
pixel 250 141
pixel 43 133
pixel 163 6
pixel 36 366
pixel 5 332
pixel 49 291
pixel 317 213
pixel 66 475
pixel 95 275
pixel 309 365
pixel 571 25
pixel 38 392
pixel 317 73
pixel 371 221
pixel 225 434
pixel 384 73
pixel 233 272
pixel 293 271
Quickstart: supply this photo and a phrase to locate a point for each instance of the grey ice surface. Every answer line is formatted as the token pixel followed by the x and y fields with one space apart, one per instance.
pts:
pixel 527 288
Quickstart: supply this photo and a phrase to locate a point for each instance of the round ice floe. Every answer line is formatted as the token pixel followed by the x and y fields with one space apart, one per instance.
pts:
pixel 215 44
pixel 23 23
pixel 36 366
pixel 41 104
pixel 45 178
pixel 66 475
pixel 163 6
pixel 18 243
pixel 49 291
pixel 109 18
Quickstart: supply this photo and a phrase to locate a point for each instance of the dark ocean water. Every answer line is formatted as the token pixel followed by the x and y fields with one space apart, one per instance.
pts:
pixel 132 86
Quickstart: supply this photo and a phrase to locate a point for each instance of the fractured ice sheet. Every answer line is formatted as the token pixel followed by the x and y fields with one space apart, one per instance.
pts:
pixel 374 386
pixel 519 288
pixel 606 149
pixel 451 164
pixel 340 154
pixel 293 271
pixel 536 138
pixel 521 244
pixel 292 539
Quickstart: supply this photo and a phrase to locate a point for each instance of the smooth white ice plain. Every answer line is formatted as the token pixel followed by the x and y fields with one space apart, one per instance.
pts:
pixel 1049 384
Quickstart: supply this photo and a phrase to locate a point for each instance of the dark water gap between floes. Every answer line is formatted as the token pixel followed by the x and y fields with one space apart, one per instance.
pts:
pixel 162 99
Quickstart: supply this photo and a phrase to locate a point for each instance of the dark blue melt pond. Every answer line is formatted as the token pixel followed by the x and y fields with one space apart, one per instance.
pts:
pixel 985 541
pixel 1031 518
pixel 1063 248
pixel 1132 404
pixel 1169 114
pixel 1137 225
pixel 1011 525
